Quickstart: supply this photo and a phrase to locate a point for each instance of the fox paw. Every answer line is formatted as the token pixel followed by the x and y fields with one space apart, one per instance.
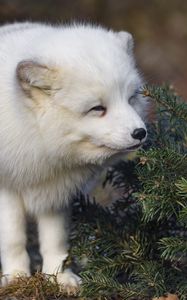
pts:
pixel 69 281
pixel 13 277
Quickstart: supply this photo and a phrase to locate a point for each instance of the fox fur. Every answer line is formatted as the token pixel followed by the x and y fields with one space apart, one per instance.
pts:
pixel 69 103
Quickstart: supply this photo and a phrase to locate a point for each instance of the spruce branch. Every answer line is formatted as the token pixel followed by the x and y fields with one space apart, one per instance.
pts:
pixel 102 286
pixel 182 187
pixel 152 275
pixel 167 99
pixel 183 215
pixel 173 248
pixel 160 170
pixel 182 287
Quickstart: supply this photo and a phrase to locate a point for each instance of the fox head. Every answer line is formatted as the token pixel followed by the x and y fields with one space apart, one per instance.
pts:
pixel 83 91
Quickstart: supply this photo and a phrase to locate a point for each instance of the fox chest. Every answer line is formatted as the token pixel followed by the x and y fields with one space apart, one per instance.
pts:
pixel 53 194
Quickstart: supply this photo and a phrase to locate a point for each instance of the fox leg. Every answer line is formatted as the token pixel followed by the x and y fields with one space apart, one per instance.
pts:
pixel 54 249
pixel 14 257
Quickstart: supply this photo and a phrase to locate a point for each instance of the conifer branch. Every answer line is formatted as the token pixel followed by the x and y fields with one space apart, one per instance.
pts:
pixel 167 99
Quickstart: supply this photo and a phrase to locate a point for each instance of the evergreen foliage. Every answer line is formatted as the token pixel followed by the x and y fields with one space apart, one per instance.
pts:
pixel 138 248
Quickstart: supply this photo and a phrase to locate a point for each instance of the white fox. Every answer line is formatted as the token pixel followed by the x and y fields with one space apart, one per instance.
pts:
pixel 68 102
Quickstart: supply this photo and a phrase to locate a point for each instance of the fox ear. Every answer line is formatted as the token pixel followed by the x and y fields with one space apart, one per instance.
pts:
pixel 34 75
pixel 126 40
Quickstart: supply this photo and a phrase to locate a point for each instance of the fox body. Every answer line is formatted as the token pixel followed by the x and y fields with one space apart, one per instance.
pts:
pixel 68 103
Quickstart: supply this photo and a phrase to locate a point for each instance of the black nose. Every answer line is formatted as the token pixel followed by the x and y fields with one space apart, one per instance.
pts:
pixel 139 133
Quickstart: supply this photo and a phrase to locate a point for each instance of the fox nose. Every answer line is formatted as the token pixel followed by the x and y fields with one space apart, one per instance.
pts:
pixel 139 133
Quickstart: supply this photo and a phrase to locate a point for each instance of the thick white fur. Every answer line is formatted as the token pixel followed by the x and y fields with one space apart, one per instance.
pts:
pixel 50 138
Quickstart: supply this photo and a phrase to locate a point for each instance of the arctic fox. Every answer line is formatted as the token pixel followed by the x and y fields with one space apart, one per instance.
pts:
pixel 68 102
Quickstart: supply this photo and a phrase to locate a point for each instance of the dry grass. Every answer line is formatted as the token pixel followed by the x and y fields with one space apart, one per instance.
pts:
pixel 36 287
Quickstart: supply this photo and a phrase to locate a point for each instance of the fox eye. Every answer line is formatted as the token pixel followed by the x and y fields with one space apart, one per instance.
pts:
pixel 99 108
pixel 132 99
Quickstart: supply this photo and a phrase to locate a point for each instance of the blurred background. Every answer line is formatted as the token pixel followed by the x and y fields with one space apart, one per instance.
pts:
pixel 158 26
